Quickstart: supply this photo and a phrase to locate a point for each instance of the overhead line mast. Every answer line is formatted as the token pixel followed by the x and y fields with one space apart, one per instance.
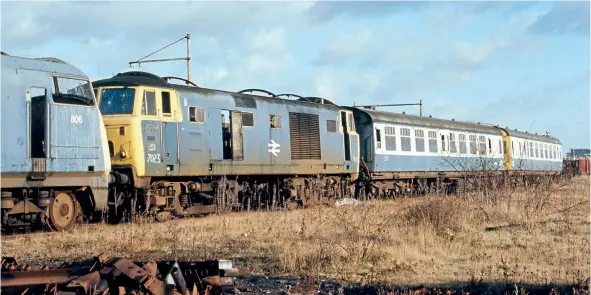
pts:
pixel 187 58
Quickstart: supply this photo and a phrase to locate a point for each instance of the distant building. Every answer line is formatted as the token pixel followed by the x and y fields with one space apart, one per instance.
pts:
pixel 579 153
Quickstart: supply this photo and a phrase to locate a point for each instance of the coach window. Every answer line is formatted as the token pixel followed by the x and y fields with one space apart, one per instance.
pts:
pixel 473 144
pixel 490 146
pixel 247 119
pixel 443 143
pixel 405 139
pixel 419 140
pixel 149 103
pixel 537 150
pixel 432 141
pixel 166 110
pixel 275 121
pixel 197 115
pixel 482 145
pixel 378 138
pixel 462 138
pixel 452 143
pixel 531 149
pixel 546 151
pixel 390 134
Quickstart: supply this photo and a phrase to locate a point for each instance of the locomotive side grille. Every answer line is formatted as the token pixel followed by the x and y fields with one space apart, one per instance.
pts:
pixel 304 131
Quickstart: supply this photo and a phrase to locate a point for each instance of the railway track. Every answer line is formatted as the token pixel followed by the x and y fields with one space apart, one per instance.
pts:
pixel 115 275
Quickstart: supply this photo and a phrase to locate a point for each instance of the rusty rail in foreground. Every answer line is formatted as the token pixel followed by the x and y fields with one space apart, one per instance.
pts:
pixel 106 275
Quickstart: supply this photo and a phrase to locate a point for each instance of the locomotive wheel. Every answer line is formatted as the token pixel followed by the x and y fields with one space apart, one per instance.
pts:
pixel 63 211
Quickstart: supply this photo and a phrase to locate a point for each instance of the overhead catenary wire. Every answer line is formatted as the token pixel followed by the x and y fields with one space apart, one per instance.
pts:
pixel 139 60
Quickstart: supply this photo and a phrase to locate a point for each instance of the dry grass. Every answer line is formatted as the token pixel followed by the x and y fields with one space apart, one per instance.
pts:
pixel 534 235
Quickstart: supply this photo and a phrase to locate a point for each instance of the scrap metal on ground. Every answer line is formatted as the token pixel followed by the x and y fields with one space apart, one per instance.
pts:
pixel 106 275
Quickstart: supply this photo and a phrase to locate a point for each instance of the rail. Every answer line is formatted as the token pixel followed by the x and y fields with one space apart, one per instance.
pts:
pixel 106 275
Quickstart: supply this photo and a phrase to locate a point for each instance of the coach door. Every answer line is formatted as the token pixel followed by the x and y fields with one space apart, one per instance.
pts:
pixel 170 117
pixel 37 121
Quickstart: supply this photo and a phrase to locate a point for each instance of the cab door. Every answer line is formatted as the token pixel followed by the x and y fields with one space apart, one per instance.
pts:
pixel 170 118
pixel 350 142
pixel 38 118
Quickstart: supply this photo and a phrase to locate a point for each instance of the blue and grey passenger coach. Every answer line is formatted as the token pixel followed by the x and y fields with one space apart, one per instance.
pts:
pixel 402 152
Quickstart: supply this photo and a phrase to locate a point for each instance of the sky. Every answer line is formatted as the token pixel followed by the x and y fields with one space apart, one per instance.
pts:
pixel 523 65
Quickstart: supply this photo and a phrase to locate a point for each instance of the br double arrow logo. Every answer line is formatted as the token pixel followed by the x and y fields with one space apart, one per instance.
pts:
pixel 274 148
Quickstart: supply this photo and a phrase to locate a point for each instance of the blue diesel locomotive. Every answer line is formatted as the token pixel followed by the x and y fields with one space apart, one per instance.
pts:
pixel 54 161
pixel 185 150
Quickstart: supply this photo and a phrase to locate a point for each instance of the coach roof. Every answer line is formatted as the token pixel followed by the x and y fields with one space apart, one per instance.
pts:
pixel 388 117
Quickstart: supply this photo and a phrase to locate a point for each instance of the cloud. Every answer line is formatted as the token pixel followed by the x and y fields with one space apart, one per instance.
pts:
pixel 267 40
pixel 345 46
pixel 564 18
pixel 152 24
pixel 326 11
pixel 345 87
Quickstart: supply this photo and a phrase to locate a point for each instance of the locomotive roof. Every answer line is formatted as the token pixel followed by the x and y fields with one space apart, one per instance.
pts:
pixel 45 64
pixel 139 78
pixel 389 117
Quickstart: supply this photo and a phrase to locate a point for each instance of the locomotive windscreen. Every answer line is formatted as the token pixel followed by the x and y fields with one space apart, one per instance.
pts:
pixel 116 101
pixel 304 131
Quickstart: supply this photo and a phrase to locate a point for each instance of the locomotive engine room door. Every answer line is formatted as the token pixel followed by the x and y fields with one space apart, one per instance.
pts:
pixel 169 133
pixel 237 146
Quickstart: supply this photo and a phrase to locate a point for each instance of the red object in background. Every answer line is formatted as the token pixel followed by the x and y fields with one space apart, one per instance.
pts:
pixel 584 166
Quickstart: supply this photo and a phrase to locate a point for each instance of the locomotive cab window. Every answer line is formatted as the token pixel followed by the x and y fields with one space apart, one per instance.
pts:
pixel 72 91
pixel 115 101
pixel 149 103
pixel 197 115
pixel 166 109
